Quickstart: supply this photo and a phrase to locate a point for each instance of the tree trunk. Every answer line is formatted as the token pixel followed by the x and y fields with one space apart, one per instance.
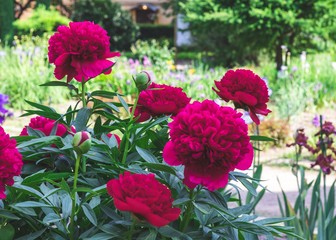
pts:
pixel 6 20
pixel 278 57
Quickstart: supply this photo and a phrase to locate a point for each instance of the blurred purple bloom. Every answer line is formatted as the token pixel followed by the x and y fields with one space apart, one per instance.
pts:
pixel 146 62
pixel 4 99
pixel 316 120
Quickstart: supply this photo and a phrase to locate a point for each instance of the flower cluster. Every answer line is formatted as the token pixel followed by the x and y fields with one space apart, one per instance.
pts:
pixel 145 197
pixel 210 141
pixel 80 51
pixel 10 162
pixel 324 150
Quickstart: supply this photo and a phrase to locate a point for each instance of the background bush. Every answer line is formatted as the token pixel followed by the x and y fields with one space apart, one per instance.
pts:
pixel 158 32
pixel 41 21
pixel 23 68
pixel 117 22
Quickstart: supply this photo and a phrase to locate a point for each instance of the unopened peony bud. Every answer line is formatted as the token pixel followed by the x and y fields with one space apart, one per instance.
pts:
pixel 142 80
pixel 81 142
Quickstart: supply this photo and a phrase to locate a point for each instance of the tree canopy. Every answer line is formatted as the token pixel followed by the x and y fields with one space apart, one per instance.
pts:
pixel 237 30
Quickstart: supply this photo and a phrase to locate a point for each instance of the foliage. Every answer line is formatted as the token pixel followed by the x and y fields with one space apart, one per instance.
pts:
pixel 240 30
pixel 158 54
pixel 117 22
pixel 6 20
pixel 25 66
pixel 157 31
pixel 320 214
pixel 40 22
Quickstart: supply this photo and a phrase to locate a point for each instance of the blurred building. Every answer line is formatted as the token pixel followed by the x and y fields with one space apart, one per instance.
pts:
pixel 148 11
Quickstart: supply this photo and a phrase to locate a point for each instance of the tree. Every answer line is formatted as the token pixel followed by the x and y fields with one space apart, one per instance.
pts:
pixel 237 30
pixel 117 22
pixel 6 20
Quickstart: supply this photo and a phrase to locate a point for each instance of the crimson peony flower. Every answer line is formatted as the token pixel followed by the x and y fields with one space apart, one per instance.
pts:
pixel 80 51
pixel 45 125
pixel 162 100
pixel 145 197
pixel 210 141
pixel 10 162
pixel 246 89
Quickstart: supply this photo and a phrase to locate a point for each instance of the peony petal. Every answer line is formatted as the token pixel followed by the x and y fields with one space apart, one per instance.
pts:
pixel 163 219
pixel 169 155
pixel 246 98
pixel 112 54
pixel 137 207
pixel 65 58
pixel 246 162
pixel 95 68
pixel 114 189
pixel 254 117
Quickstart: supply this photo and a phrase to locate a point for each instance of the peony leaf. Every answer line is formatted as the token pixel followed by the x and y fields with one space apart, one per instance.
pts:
pixel 261 138
pixel 90 214
pixel 146 155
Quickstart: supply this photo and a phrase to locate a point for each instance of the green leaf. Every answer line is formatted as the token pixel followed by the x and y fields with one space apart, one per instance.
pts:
pixel 123 103
pixel 28 190
pixel 39 142
pixel 146 155
pixel 7 232
pixel 39 177
pixel 104 94
pixel 66 205
pixel 90 214
pixel 160 167
pixel 51 218
pixel 32 236
pixel 261 138
pixel 170 232
pixel 100 236
pixel 8 215
pixel 81 119
pixel 30 204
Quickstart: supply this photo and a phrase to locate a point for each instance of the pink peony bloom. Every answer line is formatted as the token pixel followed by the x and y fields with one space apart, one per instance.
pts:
pixel 246 89
pixel 163 100
pixel 45 125
pixel 210 141
pixel 10 162
pixel 145 197
pixel 80 51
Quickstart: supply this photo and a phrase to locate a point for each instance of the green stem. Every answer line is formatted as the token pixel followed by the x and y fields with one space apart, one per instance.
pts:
pixel 83 94
pixel 129 128
pixel 325 190
pixel 188 212
pixel 73 193
pixel 130 233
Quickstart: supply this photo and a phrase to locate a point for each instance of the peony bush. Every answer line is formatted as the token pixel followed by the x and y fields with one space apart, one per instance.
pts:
pixel 163 167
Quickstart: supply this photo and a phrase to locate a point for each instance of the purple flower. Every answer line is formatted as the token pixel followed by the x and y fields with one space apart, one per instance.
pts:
pixel 316 120
pixel 4 99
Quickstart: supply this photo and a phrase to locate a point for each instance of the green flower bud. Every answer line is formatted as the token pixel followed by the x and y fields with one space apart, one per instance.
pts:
pixel 142 80
pixel 81 142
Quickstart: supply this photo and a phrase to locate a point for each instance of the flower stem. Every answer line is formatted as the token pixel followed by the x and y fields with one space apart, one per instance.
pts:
pixel 83 94
pixel 130 233
pixel 188 212
pixel 73 197
pixel 129 128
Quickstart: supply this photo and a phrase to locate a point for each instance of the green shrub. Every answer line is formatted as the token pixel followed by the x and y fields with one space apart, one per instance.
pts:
pixel 41 21
pixel 117 22
pixel 23 68
pixel 157 31
pixel 158 53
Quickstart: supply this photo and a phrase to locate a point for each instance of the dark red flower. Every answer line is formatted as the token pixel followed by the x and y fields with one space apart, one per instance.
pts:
pixel 145 197
pixel 325 162
pixel 210 141
pixel 10 162
pixel 45 125
pixel 246 89
pixel 160 99
pixel 327 129
pixel 80 51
